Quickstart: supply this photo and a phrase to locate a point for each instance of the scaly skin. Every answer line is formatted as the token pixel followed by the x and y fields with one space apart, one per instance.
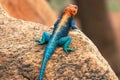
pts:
pixel 59 36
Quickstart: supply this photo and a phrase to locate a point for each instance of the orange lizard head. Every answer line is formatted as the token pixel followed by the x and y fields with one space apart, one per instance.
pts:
pixel 71 10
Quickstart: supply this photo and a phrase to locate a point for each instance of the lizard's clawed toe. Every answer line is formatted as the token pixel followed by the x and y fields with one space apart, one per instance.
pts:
pixel 39 41
pixel 69 49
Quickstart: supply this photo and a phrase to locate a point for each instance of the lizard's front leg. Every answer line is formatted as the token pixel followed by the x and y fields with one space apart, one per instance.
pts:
pixel 65 41
pixel 45 38
pixel 72 24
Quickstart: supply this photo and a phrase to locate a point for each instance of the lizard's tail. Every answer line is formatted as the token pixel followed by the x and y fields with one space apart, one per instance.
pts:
pixel 44 62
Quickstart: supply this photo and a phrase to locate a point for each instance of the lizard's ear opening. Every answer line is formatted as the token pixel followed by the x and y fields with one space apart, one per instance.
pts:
pixel 66 10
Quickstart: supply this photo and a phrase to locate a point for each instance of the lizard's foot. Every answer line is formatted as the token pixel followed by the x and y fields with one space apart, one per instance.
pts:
pixel 69 49
pixel 45 38
pixel 65 41
pixel 39 41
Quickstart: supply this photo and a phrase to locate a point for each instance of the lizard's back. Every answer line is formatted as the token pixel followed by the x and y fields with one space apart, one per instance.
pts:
pixel 58 32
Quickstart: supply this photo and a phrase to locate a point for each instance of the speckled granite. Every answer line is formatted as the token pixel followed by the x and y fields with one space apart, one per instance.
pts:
pixel 20 56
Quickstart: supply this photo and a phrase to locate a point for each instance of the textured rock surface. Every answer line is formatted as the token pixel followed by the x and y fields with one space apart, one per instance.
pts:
pixel 20 56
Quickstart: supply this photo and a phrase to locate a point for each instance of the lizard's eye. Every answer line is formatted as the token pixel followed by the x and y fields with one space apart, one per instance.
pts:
pixel 75 7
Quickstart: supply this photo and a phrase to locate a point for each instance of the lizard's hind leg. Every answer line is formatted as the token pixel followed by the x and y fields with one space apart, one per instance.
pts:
pixel 65 41
pixel 45 38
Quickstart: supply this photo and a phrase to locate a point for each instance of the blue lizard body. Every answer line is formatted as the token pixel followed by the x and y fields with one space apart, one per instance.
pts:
pixel 58 38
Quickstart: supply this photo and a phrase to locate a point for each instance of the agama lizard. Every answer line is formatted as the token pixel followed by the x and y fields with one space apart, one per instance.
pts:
pixel 59 36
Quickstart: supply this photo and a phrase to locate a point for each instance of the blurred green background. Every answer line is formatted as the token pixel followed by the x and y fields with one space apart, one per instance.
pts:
pixel 112 5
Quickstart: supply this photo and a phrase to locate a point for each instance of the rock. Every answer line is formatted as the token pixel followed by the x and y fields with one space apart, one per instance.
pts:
pixel 20 56
pixel 30 10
